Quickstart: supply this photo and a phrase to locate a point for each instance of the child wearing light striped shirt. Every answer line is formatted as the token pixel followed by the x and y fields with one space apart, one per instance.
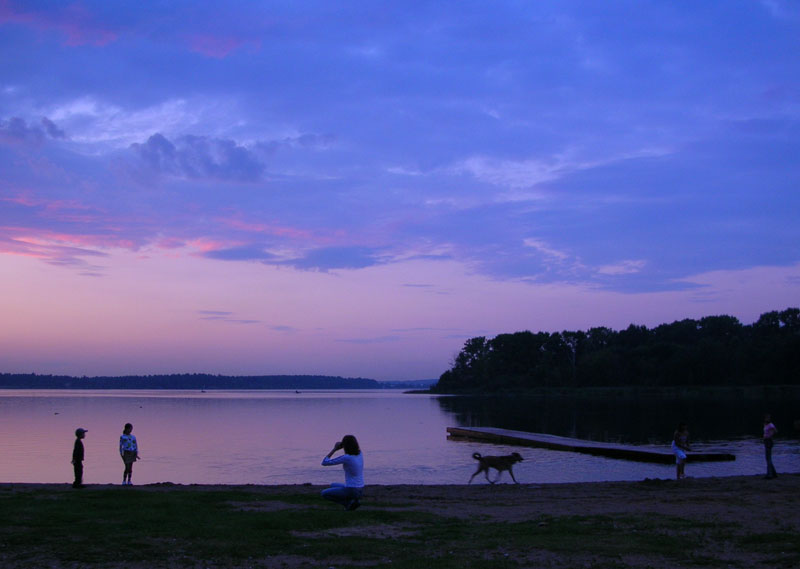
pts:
pixel 129 451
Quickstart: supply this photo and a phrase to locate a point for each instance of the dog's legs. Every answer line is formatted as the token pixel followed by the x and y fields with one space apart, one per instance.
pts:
pixel 474 474
pixel 489 479
pixel 499 474
pixel 511 472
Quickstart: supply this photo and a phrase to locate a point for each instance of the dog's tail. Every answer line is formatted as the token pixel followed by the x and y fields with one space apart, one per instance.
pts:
pixel 476 455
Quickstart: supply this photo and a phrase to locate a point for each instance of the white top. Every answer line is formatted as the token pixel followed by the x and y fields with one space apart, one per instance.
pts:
pixel 353 465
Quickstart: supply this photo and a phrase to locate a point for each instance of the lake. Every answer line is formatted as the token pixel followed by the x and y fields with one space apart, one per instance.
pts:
pixel 280 437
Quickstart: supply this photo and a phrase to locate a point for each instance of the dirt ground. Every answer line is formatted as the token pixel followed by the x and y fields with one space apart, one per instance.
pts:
pixel 756 503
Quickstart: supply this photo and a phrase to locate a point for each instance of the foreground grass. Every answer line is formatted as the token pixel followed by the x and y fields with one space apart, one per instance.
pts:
pixel 138 527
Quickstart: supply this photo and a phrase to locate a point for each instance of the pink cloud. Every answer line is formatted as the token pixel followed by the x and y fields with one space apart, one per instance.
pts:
pixel 265 228
pixel 52 253
pixel 21 247
pixel 218 47
pixel 207 245
pixel 25 238
pixel 75 22
pixel 80 230
pixel 65 211
pixel 24 198
pixel 170 243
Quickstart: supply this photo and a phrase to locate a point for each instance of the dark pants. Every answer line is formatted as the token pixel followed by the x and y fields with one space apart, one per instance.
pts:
pixel 341 494
pixel 78 467
pixel 768 454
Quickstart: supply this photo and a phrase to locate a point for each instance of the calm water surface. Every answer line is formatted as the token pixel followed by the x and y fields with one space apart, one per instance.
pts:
pixel 280 437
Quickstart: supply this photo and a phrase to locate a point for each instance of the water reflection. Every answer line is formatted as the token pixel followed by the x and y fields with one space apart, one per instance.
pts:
pixel 636 420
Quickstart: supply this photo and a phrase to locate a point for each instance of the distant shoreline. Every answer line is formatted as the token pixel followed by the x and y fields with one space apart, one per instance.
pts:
pixel 201 381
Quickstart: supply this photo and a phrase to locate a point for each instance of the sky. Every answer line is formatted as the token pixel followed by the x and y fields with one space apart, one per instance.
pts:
pixel 357 188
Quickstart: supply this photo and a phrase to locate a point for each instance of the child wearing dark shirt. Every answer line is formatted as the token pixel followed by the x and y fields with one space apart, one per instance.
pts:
pixel 77 458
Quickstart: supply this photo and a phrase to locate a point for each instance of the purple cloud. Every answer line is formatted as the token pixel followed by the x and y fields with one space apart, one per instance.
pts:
pixel 51 129
pixel 200 157
pixel 330 258
pixel 16 130
pixel 246 253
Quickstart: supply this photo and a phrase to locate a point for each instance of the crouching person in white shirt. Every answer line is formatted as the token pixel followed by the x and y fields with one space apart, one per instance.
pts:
pixel 349 493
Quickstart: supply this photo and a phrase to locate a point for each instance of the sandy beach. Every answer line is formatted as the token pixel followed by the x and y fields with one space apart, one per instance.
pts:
pixel 743 521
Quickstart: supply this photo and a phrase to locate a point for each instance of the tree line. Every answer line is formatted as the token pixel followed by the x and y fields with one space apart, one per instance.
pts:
pixel 712 351
pixel 184 381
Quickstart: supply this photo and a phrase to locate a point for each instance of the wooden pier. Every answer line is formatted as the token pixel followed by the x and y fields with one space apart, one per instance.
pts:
pixel 611 450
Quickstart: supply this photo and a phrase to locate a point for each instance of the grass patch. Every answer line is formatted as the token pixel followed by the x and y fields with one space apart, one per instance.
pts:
pixel 231 528
pixel 782 549
pixel 602 537
pixel 108 525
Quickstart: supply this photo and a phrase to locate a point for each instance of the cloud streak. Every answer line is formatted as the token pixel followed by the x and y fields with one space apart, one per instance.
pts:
pixel 224 316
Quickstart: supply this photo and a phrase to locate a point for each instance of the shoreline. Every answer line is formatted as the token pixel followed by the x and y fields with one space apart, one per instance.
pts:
pixel 507 482
pixel 726 497
pixel 166 485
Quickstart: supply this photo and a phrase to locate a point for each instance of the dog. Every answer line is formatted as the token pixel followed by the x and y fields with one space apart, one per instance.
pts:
pixel 499 463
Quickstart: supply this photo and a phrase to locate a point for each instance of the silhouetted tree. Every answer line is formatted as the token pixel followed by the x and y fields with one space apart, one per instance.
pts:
pixel 715 350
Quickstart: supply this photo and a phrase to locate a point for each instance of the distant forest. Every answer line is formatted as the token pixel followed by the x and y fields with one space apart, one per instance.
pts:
pixel 712 351
pixel 185 381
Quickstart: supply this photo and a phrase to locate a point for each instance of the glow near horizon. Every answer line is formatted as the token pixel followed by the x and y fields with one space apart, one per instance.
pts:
pixel 357 190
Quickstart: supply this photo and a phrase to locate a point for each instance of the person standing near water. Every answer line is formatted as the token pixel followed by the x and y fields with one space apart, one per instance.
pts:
pixel 77 457
pixel 769 432
pixel 349 493
pixel 129 451
pixel 680 444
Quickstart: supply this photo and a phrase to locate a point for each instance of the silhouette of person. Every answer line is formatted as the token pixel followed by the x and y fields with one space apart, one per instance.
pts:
pixel 680 444
pixel 129 451
pixel 348 494
pixel 769 432
pixel 77 457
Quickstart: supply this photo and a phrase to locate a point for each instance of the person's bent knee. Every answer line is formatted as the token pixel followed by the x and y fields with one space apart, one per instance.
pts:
pixel 332 494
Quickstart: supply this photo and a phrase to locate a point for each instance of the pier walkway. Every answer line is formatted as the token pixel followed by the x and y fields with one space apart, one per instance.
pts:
pixel 553 442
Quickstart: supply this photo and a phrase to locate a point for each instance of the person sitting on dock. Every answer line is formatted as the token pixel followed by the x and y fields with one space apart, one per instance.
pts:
pixel 680 444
